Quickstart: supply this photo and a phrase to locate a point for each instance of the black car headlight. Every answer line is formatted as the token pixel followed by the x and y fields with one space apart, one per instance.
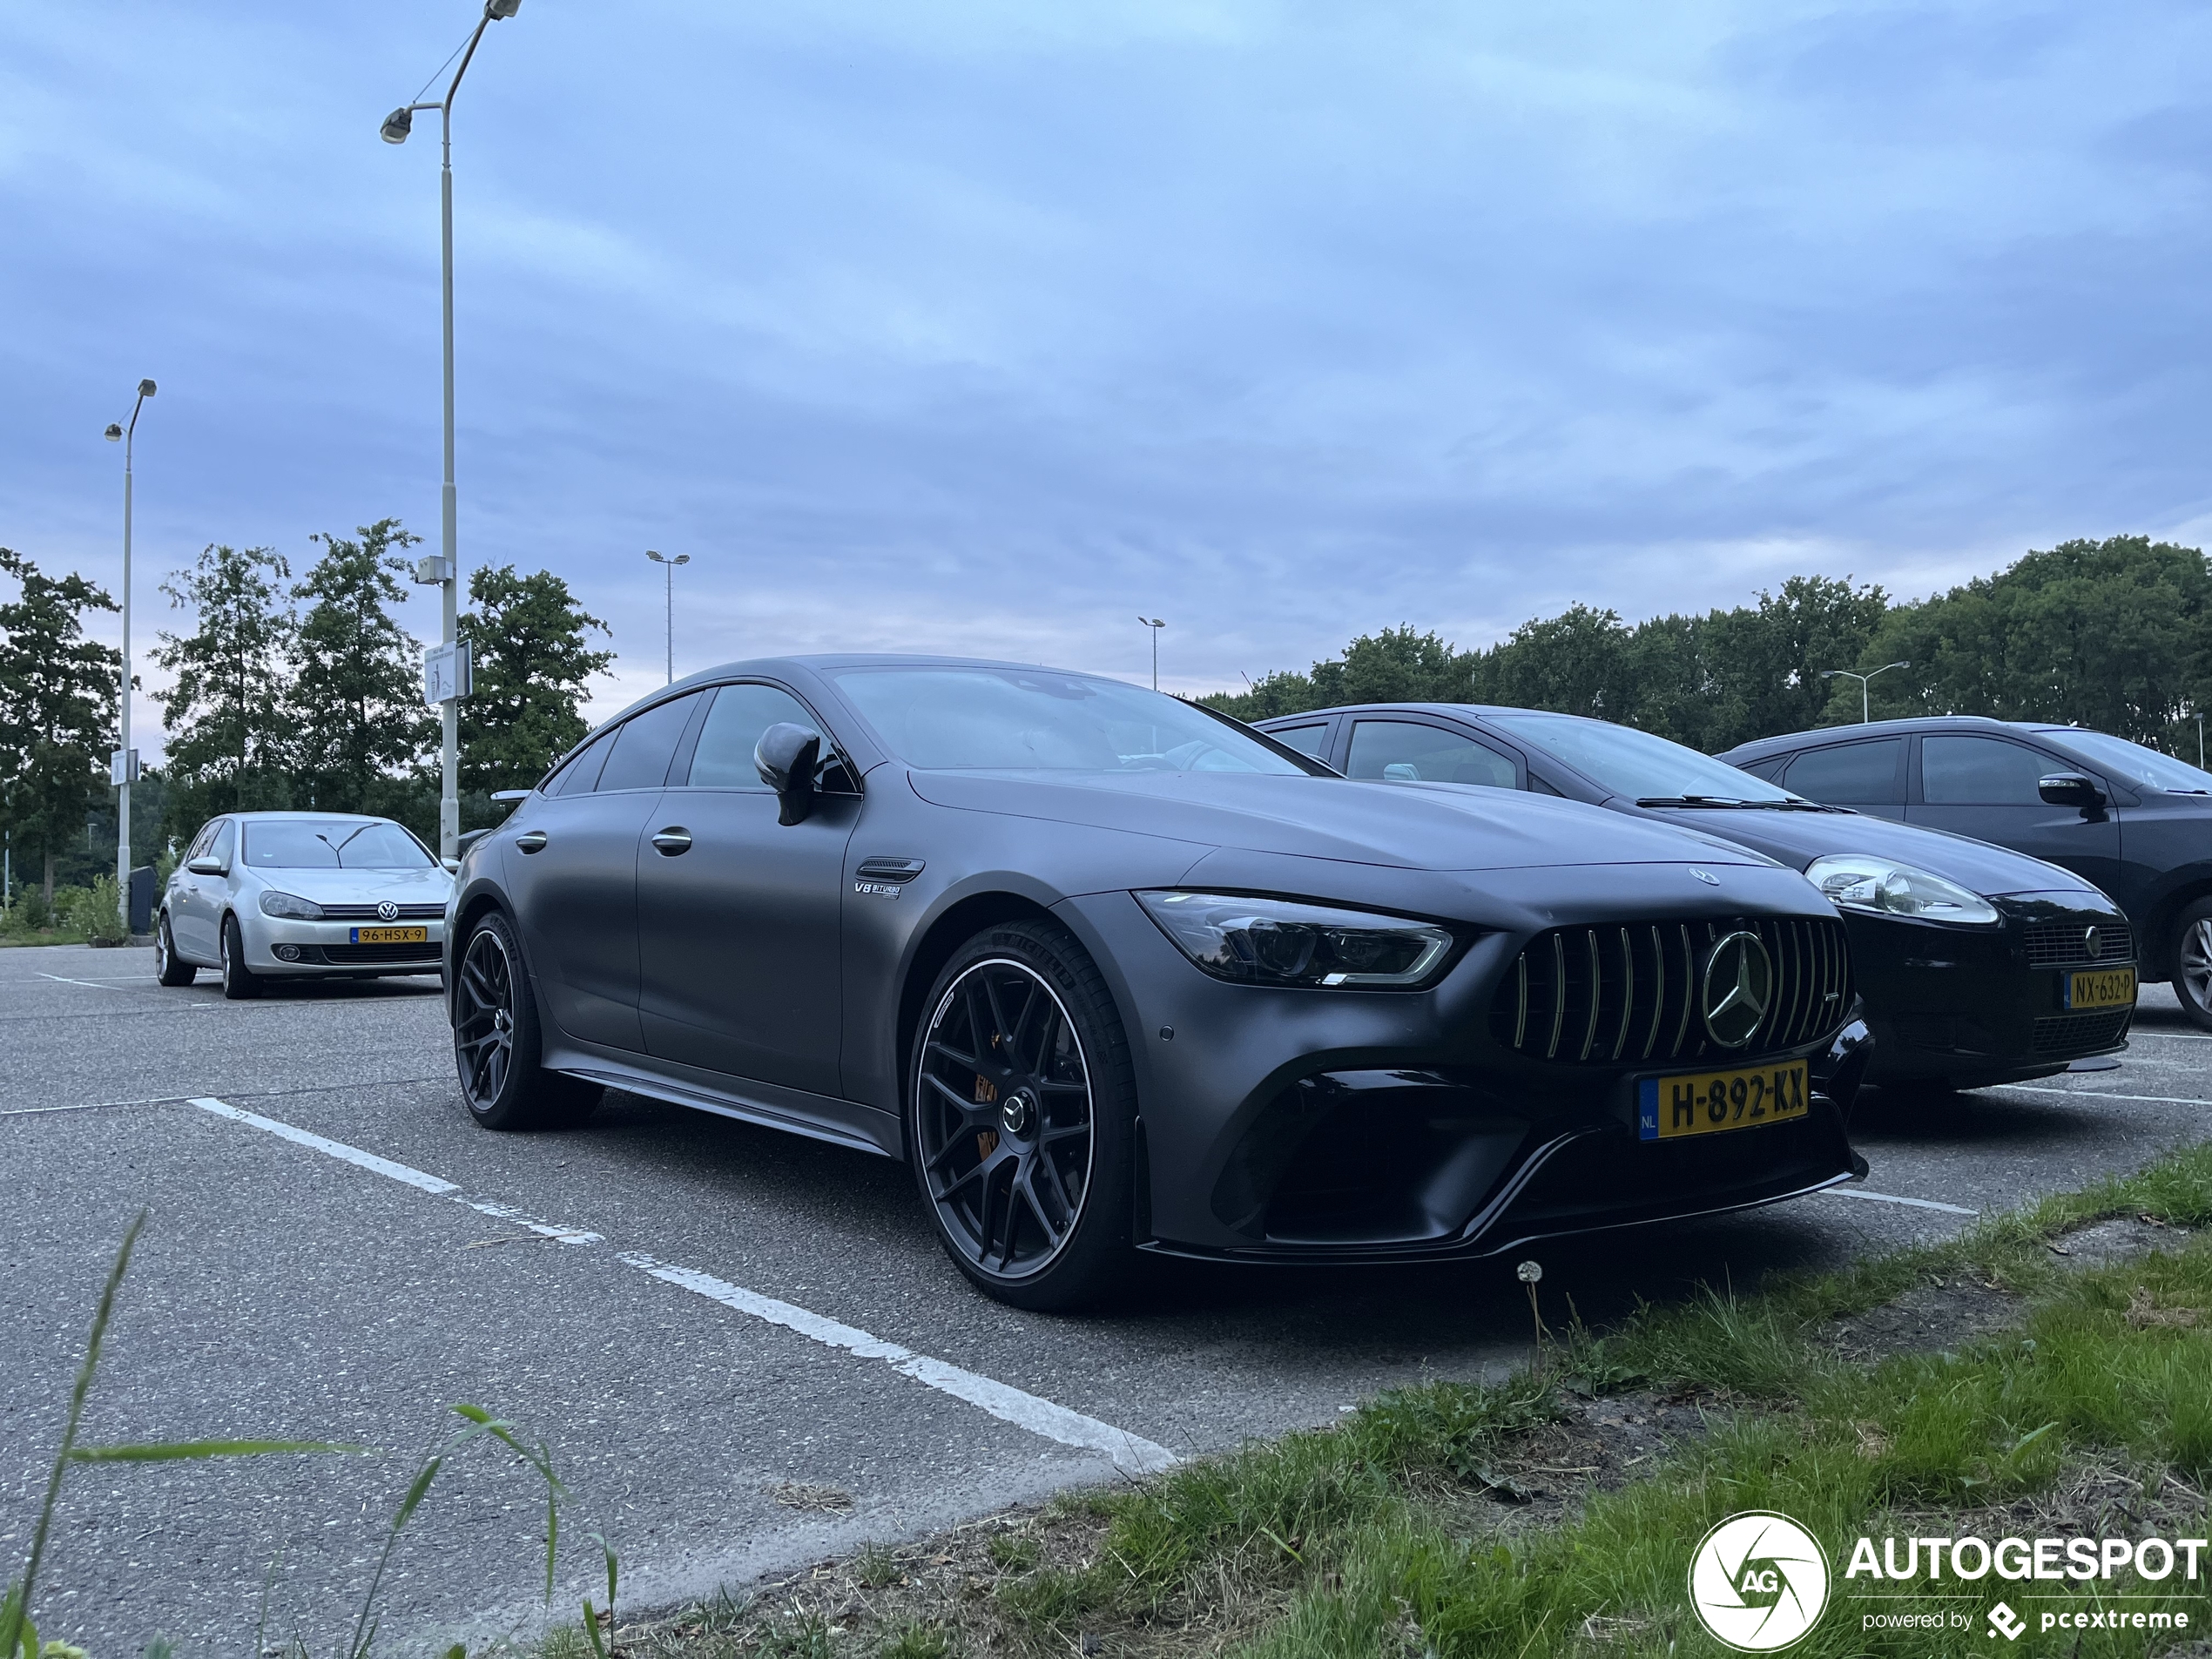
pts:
pixel 288 906
pixel 1280 941
pixel 1864 882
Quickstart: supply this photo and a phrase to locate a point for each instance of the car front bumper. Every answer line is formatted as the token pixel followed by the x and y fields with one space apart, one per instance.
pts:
pixel 276 946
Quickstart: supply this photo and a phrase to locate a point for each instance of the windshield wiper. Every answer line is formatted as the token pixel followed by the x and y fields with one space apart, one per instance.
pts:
pixel 1794 804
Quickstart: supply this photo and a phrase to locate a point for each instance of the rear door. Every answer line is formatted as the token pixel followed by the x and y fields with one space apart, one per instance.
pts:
pixel 1866 775
pixel 1985 788
pixel 738 916
pixel 572 873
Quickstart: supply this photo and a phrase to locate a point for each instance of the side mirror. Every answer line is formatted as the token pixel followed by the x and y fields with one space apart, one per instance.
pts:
pixel 511 794
pixel 453 866
pixel 785 757
pixel 208 866
pixel 2069 789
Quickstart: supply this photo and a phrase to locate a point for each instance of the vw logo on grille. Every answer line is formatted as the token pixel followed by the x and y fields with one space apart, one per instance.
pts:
pixel 2092 943
pixel 1739 983
pixel 386 911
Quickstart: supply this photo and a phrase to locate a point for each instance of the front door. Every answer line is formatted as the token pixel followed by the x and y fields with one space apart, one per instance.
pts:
pixel 1985 788
pixel 738 915
pixel 196 914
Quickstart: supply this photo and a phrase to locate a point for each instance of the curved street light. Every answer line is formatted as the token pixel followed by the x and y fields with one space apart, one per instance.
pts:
pixel 396 126
pixel 125 762
pixel 681 559
pixel 1155 624
pixel 1865 705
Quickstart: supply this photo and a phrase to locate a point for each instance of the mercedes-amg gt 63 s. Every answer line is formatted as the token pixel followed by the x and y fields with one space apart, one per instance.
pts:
pixel 1113 974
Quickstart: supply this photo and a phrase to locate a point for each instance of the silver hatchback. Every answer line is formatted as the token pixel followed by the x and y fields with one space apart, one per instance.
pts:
pixel 301 896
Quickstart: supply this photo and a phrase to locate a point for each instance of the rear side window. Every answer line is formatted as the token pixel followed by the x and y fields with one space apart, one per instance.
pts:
pixel 1306 739
pixel 1980 771
pixel 645 743
pixel 722 757
pixel 1406 753
pixel 578 775
pixel 1849 774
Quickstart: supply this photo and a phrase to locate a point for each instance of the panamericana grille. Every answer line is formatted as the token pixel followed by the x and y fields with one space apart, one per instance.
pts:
pixel 1626 995
pixel 368 912
pixel 2063 1035
pixel 2066 944
pixel 350 955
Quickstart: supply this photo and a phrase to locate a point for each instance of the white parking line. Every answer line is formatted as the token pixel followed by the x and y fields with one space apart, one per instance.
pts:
pixel 1891 1197
pixel 2105 1094
pixel 63 979
pixel 1131 1454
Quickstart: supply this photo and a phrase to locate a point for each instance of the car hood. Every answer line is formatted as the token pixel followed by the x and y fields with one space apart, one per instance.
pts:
pixel 360 887
pixel 1797 838
pixel 1419 826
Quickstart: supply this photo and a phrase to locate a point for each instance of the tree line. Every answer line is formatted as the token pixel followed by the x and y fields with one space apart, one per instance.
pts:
pixel 2112 635
pixel 282 694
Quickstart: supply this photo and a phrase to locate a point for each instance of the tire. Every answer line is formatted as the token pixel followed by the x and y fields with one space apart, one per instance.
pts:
pixel 169 967
pixel 1021 1119
pixel 2193 963
pixel 497 1042
pixel 240 983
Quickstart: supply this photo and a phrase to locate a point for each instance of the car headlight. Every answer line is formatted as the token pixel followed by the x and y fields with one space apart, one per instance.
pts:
pixel 1280 941
pixel 1863 881
pixel 288 906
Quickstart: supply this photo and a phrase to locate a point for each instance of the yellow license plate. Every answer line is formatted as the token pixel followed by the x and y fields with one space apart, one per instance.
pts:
pixel 391 935
pixel 1709 1102
pixel 2102 988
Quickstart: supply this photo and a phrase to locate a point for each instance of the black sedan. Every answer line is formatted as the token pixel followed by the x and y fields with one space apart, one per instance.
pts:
pixel 1112 973
pixel 1978 966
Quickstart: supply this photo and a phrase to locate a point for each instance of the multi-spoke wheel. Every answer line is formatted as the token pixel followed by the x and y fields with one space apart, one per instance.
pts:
pixel 169 967
pixel 2193 963
pixel 495 1040
pixel 1020 1117
pixel 240 983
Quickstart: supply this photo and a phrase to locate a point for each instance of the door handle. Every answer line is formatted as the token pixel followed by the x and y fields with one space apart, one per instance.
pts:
pixel 672 841
pixel 530 841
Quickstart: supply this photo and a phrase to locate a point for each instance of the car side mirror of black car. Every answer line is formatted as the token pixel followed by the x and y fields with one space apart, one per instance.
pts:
pixel 2069 789
pixel 786 758
pixel 208 866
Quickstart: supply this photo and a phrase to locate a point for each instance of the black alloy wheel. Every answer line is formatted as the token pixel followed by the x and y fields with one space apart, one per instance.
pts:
pixel 1021 1114
pixel 2193 963
pixel 240 983
pixel 169 967
pixel 497 1041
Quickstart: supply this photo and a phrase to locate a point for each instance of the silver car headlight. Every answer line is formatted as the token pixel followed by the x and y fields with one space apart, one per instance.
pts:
pixel 288 907
pixel 1280 941
pixel 1864 881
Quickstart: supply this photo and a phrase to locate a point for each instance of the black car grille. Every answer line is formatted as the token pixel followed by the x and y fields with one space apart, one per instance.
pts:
pixel 1628 995
pixel 2066 944
pixel 368 912
pixel 350 955
pixel 2063 1035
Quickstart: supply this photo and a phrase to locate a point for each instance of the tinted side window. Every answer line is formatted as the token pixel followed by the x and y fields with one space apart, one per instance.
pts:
pixel 577 777
pixel 1980 771
pixel 1850 774
pixel 723 757
pixel 1306 739
pixel 645 743
pixel 1406 753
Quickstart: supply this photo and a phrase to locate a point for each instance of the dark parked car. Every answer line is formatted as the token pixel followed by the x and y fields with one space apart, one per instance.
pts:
pixel 2137 823
pixel 1978 966
pixel 1110 971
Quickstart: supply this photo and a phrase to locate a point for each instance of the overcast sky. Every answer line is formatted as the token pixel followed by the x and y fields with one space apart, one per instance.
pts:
pixel 983 325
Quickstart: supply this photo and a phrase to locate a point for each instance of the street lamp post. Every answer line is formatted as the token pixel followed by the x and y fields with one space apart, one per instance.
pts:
pixel 125 761
pixel 1866 705
pixel 1155 624
pixel 395 129
pixel 668 565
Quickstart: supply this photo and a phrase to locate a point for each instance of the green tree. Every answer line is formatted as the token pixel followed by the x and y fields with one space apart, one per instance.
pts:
pixel 533 659
pixel 57 709
pixel 1763 663
pixel 226 707
pixel 1576 663
pixel 356 697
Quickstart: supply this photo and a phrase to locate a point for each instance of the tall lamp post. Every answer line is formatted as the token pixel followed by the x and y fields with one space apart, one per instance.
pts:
pixel 123 767
pixel 1866 706
pixel 668 565
pixel 1155 624
pixel 446 571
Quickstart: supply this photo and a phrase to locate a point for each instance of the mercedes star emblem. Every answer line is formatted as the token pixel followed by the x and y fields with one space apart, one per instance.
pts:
pixel 386 911
pixel 1739 983
pixel 1706 876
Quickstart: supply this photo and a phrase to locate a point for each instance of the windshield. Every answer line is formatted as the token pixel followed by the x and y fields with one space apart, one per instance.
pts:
pixel 2132 760
pixel 293 845
pixel 1637 764
pixel 1008 717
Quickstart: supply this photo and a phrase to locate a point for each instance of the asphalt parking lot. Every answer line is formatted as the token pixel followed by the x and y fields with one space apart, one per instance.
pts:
pixel 697 1316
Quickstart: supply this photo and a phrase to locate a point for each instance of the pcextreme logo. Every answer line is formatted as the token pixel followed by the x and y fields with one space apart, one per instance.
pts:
pixel 1758 1581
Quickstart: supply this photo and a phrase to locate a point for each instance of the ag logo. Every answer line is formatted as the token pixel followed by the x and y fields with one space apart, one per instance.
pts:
pixel 1759 1580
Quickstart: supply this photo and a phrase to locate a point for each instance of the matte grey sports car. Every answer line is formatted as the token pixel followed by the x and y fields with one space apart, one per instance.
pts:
pixel 1112 973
